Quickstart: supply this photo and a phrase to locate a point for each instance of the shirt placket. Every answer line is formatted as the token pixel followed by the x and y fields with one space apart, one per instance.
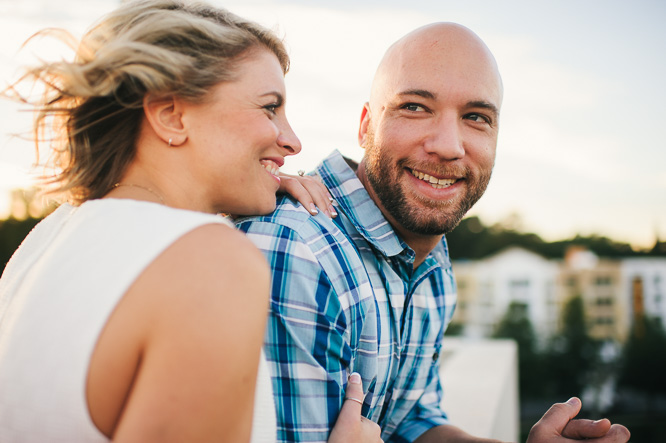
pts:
pixel 406 281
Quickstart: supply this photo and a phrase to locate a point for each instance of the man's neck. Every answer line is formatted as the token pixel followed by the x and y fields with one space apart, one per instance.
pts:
pixel 421 244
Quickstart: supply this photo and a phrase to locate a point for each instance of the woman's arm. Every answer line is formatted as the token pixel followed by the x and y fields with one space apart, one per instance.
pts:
pixel 199 313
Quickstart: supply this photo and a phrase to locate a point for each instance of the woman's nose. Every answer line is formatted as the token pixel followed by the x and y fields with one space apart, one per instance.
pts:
pixel 289 141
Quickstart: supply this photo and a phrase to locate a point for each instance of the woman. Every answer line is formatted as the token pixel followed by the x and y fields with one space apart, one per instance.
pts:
pixel 133 312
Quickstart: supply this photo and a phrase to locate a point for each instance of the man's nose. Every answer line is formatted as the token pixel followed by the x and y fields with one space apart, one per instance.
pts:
pixel 446 139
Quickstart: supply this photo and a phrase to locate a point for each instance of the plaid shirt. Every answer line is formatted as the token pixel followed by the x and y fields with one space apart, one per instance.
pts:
pixel 345 298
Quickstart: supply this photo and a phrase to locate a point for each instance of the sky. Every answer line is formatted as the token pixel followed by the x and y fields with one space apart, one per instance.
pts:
pixel 582 146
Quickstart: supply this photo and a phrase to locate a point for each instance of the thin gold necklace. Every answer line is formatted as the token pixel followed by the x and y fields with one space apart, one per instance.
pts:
pixel 145 188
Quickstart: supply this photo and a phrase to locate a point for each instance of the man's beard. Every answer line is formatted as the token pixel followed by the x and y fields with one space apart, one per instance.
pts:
pixel 438 217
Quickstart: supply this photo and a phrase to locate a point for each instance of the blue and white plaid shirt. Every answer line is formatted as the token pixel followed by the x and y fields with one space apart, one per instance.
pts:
pixel 345 298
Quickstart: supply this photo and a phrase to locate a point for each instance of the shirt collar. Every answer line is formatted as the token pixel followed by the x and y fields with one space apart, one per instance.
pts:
pixel 355 202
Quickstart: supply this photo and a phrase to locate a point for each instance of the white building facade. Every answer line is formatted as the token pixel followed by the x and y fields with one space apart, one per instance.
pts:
pixel 486 289
pixel 612 291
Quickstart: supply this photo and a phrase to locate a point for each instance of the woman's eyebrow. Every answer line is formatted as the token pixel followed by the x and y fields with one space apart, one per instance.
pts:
pixel 278 96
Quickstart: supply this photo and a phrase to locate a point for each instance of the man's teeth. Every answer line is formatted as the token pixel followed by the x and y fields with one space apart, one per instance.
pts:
pixel 271 167
pixel 437 183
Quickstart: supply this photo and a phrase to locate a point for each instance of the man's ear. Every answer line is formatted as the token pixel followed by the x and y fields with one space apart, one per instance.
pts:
pixel 164 114
pixel 363 127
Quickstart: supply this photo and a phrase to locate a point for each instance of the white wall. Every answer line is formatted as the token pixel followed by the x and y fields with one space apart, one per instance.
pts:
pixel 480 380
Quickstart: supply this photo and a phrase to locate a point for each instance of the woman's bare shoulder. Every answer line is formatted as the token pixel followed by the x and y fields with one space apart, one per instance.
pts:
pixel 199 306
pixel 213 261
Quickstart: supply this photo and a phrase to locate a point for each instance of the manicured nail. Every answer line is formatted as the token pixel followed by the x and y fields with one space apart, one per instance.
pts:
pixel 355 378
pixel 331 199
pixel 332 210
pixel 313 208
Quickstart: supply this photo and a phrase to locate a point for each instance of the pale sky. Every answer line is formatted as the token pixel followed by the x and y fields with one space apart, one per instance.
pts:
pixel 581 146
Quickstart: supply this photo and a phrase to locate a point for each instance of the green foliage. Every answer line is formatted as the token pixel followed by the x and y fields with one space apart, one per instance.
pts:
pixel 12 233
pixel 454 329
pixel 572 354
pixel 516 325
pixel 644 357
pixel 473 240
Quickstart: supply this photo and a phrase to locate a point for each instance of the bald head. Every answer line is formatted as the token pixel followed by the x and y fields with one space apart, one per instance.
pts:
pixel 430 131
pixel 427 53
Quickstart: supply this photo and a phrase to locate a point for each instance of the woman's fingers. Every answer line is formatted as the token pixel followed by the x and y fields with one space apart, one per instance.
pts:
pixel 351 425
pixel 309 191
pixel 353 396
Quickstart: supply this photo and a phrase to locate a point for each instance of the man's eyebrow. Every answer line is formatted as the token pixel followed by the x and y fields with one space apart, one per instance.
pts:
pixel 472 104
pixel 484 105
pixel 419 92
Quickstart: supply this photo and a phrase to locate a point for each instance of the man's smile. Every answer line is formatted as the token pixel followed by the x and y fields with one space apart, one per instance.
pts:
pixel 437 183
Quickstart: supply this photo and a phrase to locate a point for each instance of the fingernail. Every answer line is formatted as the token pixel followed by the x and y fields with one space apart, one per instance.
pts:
pixel 313 208
pixel 333 211
pixel 355 378
pixel 331 199
pixel 573 401
pixel 599 421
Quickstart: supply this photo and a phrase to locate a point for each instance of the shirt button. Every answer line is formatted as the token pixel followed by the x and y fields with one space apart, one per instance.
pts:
pixel 435 356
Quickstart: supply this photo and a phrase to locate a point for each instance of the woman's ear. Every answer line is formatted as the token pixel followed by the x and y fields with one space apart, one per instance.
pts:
pixel 164 114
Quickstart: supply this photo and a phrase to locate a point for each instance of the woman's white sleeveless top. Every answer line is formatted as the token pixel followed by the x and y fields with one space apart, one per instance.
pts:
pixel 56 295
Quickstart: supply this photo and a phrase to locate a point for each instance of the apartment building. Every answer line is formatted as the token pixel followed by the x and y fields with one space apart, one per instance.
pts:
pixel 486 289
pixel 599 283
pixel 613 291
pixel 645 279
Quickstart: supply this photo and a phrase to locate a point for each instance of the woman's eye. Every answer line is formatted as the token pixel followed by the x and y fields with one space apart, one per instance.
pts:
pixel 272 108
pixel 413 107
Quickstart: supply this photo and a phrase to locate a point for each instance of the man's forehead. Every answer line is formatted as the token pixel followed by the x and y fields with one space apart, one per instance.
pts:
pixel 436 57
pixel 475 85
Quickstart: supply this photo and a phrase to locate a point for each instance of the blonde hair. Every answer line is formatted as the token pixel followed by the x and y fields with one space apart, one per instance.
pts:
pixel 93 105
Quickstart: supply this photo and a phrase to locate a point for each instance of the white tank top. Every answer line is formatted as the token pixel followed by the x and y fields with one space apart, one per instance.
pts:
pixel 56 294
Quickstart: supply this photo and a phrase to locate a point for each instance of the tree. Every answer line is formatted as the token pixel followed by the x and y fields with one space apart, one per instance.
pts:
pixel 473 240
pixel 12 233
pixel 644 357
pixel 516 325
pixel 572 354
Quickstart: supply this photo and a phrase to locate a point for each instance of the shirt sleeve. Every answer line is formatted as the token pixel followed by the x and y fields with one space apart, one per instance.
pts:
pixel 307 343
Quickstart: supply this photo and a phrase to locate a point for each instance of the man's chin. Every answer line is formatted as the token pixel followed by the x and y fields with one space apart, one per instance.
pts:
pixel 432 223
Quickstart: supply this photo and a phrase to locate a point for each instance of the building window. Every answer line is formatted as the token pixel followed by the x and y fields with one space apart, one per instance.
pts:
pixel 572 281
pixel 519 290
pixel 604 320
pixel 603 280
pixel 604 301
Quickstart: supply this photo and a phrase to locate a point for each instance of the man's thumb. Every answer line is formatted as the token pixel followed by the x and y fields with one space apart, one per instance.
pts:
pixel 556 419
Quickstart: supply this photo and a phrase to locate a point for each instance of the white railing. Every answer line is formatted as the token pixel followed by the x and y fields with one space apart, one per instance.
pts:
pixel 480 380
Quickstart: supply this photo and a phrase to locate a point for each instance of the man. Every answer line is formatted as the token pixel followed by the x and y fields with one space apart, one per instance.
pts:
pixel 372 290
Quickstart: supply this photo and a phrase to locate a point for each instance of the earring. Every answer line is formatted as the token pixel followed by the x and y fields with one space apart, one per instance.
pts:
pixel 170 141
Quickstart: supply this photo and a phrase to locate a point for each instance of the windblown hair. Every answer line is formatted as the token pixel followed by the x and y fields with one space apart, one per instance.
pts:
pixel 92 107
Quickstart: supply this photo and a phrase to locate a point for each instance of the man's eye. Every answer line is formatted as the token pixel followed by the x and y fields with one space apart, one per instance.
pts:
pixel 478 118
pixel 413 107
